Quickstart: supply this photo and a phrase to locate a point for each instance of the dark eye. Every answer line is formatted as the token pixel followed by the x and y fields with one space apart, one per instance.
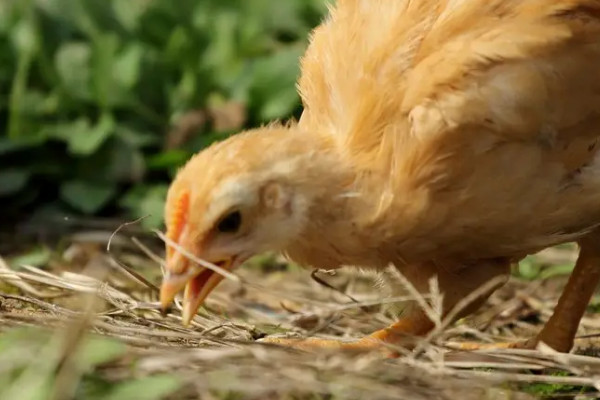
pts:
pixel 230 223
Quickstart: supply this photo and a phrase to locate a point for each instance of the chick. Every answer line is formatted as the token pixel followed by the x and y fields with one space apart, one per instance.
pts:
pixel 447 139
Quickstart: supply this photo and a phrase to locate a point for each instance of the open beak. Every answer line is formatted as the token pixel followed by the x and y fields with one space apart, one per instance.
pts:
pixel 198 282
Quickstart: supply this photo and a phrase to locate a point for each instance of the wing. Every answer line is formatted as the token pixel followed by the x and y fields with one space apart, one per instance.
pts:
pixel 507 121
pixel 374 62
pixel 491 107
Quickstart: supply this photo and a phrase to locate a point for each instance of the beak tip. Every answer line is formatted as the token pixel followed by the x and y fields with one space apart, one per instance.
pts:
pixel 165 310
pixel 188 313
pixel 166 297
pixel 186 319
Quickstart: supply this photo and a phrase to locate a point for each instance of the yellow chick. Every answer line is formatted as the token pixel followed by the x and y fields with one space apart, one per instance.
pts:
pixel 446 138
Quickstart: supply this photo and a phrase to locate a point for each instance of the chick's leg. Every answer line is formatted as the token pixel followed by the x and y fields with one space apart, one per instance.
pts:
pixel 455 283
pixel 560 330
pixel 414 323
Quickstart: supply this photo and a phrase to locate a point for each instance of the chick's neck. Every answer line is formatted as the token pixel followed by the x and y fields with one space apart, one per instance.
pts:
pixel 332 234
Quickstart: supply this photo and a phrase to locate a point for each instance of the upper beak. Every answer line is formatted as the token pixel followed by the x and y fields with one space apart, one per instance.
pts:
pixel 198 282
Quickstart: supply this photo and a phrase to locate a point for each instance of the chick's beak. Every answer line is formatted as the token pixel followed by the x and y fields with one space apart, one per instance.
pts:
pixel 198 282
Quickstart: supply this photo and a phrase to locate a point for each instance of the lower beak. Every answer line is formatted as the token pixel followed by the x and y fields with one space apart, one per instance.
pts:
pixel 198 283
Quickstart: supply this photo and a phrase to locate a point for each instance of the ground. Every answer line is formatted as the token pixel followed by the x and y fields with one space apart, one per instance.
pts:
pixel 80 322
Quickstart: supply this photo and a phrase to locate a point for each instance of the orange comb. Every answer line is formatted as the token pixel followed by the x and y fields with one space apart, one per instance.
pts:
pixel 177 220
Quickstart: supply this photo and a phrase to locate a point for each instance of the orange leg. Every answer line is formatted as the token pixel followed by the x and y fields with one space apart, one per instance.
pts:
pixel 560 330
pixel 401 333
pixel 455 284
pixel 405 330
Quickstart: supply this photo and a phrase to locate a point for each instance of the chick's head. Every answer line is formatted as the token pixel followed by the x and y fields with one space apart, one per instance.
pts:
pixel 235 199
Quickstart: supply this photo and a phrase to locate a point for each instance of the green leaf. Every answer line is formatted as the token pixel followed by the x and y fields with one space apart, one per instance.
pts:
pixel 32 355
pixel 37 257
pixel 10 146
pixel 279 105
pixel 24 36
pixel 99 350
pixel 125 163
pixel 13 181
pixel 318 7
pixel 168 159
pixel 36 387
pixel 135 138
pixel 86 196
pixel 177 44
pixel 129 12
pixel 84 141
pixel 66 131
pixel 594 306
pixel 200 142
pixel 221 53
pixel 105 83
pixel 147 201
pixel 556 270
pixel 25 39
pixel 148 388
pixel 528 268
pixel 73 66
pixel 12 336
pixel 184 92
pixel 273 87
pixel 282 16
pixel 73 13
pixel 32 103
pixel 127 66
pixel 6 8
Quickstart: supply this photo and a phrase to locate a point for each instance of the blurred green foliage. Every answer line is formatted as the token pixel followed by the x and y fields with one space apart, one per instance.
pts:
pixel 101 100
pixel 32 360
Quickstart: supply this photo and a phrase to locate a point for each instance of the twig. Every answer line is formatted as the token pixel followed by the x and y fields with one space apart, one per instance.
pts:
pixel 120 227
pixel 129 272
pixel 417 296
pixel 42 304
pixel 132 274
pixel 149 253
pixel 322 282
pixel 199 261
pixel 14 279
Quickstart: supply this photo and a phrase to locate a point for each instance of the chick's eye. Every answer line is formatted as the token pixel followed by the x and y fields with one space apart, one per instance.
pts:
pixel 230 223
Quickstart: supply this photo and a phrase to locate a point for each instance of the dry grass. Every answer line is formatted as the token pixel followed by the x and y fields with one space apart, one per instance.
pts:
pixel 84 290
